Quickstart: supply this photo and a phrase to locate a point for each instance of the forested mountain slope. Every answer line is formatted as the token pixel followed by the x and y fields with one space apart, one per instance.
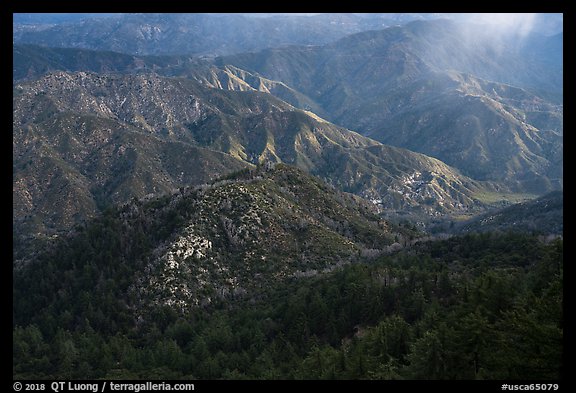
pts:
pixel 150 291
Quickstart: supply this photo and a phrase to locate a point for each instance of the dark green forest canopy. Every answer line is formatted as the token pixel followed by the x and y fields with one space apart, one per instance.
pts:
pixel 481 306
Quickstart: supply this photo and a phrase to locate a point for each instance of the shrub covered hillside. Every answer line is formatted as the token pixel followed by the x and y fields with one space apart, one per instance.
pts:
pixel 272 274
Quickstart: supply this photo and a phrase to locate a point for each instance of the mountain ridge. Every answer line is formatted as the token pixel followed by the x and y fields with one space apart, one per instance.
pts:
pixel 421 115
pixel 402 86
pixel 263 223
pixel 65 116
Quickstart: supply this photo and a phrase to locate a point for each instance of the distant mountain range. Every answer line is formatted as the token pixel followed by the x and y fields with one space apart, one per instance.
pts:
pixel 435 88
pixel 95 127
pixel 217 34
pixel 491 109
pixel 197 34
pixel 87 140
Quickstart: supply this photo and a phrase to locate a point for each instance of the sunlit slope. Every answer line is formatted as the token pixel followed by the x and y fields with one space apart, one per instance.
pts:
pixel 491 109
pixel 88 140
